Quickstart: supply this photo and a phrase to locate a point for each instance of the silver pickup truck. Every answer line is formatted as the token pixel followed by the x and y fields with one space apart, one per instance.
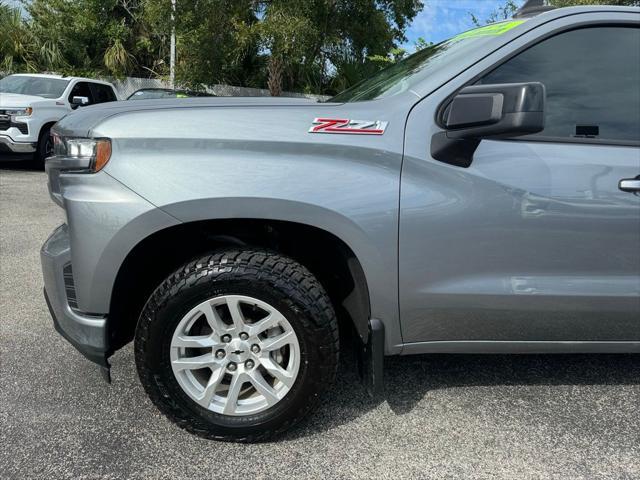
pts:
pixel 480 196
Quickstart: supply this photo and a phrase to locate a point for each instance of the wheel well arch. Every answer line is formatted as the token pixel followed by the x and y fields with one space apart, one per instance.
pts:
pixel 155 257
pixel 44 126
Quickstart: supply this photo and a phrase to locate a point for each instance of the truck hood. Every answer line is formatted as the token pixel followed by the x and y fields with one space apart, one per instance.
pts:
pixel 17 100
pixel 84 119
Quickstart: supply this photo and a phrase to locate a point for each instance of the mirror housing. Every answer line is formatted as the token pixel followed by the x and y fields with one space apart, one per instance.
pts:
pixel 79 102
pixel 487 112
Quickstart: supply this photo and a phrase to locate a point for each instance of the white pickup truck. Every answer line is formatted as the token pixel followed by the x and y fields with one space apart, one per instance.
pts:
pixel 30 104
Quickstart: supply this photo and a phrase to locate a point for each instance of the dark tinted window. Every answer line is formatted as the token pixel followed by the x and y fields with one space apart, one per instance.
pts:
pixel 592 79
pixel 81 89
pixel 103 93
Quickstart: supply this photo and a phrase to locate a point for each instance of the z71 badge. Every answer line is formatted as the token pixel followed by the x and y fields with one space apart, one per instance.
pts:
pixel 352 127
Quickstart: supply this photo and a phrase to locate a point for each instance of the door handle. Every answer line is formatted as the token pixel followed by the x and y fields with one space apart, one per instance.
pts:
pixel 630 185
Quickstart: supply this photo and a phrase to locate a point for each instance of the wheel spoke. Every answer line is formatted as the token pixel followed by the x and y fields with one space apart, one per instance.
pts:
pixel 194 341
pixel 236 313
pixel 279 341
pixel 277 371
pixel 213 318
pixel 266 323
pixel 263 388
pixel 194 363
pixel 232 396
pixel 212 386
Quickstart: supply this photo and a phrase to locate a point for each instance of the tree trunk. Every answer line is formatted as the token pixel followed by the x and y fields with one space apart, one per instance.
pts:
pixel 275 76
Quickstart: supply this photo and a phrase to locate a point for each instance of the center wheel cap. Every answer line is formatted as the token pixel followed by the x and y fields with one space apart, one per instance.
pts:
pixel 239 351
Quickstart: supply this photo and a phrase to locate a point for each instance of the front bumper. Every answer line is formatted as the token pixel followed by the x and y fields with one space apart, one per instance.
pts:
pixel 87 333
pixel 7 144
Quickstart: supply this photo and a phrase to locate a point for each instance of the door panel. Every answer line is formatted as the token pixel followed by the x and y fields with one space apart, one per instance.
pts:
pixel 534 241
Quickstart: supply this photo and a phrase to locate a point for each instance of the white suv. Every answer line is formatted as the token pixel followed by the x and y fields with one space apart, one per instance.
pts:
pixel 30 104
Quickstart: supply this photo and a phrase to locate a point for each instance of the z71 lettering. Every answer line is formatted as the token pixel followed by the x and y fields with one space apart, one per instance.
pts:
pixel 353 127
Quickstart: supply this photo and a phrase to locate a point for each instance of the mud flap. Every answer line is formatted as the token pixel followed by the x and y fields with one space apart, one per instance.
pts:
pixel 105 372
pixel 371 359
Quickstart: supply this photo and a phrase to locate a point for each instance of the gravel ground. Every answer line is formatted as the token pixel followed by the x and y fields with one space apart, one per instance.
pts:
pixel 441 417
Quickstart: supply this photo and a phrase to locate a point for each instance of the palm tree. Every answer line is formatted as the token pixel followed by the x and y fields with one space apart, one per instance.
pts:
pixel 14 44
pixel 20 48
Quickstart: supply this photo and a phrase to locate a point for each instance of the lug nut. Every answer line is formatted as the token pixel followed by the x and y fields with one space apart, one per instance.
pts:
pixel 220 354
pixel 249 364
pixel 226 338
pixel 244 336
pixel 232 367
pixel 255 348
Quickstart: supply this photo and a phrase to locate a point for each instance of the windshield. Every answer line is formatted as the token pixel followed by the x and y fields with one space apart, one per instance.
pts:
pixel 37 86
pixel 403 75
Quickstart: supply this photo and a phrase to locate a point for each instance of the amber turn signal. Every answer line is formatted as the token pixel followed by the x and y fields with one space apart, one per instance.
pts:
pixel 102 154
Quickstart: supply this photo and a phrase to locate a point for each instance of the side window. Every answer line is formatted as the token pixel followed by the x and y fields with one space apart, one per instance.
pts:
pixel 592 80
pixel 81 89
pixel 103 93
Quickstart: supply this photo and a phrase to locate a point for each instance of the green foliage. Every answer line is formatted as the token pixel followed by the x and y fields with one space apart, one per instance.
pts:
pixel 321 45
pixel 99 37
pixel 397 54
pixel 421 44
pixel 21 49
pixel 213 45
pixel 315 46
pixel 501 13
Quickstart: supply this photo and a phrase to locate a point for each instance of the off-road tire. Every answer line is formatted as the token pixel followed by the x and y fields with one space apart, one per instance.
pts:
pixel 270 277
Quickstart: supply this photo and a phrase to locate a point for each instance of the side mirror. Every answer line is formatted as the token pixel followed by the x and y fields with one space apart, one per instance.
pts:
pixel 79 102
pixel 487 111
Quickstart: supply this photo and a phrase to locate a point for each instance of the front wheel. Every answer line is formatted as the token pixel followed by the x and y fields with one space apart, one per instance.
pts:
pixel 44 148
pixel 237 345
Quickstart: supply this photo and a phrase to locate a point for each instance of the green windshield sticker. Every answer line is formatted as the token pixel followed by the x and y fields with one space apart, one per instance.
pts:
pixel 489 30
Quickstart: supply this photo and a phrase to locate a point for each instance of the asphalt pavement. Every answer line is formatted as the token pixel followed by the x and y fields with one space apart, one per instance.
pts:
pixel 441 417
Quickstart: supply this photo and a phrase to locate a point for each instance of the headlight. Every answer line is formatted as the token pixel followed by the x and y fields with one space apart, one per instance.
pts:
pixel 19 112
pixel 96 151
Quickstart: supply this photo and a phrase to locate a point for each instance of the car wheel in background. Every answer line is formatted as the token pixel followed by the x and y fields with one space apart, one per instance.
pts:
pixel 44 148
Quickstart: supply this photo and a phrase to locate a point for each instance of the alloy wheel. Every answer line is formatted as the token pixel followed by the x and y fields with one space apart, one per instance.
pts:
pixel 235 355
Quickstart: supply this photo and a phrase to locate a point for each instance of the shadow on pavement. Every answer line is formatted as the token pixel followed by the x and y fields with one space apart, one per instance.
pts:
pixel 408 379
pixel 18 162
